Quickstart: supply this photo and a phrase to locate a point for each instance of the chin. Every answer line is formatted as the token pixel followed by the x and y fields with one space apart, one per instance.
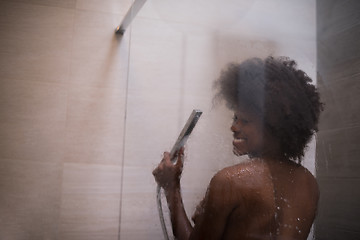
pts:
pixel 237 153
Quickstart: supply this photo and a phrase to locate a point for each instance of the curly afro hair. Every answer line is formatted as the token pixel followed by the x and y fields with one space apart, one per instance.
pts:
pixel 280 94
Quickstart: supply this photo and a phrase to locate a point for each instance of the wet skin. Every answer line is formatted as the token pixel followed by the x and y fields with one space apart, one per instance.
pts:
pixel 262 198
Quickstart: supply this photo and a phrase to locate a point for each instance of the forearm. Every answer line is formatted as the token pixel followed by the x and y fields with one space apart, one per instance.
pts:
pixel 180 223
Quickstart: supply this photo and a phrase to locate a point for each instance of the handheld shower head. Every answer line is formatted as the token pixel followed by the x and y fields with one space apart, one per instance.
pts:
pixel 185 133
pixel 180 142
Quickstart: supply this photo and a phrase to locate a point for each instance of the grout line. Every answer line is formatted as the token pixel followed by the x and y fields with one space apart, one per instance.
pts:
pixel 67 86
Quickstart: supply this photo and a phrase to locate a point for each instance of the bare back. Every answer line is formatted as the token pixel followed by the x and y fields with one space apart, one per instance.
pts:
pixel 269 200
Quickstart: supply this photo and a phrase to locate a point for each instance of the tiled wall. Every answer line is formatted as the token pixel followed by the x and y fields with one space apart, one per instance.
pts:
pixel 86 115
pixel 338 141
pixel 62 76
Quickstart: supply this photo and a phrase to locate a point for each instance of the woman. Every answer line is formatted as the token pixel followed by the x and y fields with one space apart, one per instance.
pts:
pixel 270 196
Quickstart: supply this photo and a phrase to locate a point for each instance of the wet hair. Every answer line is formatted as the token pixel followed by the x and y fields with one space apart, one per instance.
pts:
pixel 280 94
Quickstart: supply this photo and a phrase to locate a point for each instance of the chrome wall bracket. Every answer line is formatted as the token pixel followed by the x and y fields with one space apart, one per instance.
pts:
pixel 130 15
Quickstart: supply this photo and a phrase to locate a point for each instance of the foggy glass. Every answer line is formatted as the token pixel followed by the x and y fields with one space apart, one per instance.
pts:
pixel 177 49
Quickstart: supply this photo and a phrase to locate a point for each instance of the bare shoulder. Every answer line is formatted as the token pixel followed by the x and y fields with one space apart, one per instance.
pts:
pixel 307 179
pixel 252 173
pixel 248 167
pixel 233 186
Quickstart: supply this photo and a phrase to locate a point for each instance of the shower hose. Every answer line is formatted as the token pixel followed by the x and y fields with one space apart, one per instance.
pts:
pixel 161 214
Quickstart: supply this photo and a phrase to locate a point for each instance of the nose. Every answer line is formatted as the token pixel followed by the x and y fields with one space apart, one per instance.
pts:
pixel 234 127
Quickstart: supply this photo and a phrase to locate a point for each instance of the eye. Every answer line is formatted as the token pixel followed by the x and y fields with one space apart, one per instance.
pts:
pixel 235 118
pixel 242 120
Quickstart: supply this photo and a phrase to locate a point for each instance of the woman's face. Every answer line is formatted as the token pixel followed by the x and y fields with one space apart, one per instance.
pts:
pixel 248 134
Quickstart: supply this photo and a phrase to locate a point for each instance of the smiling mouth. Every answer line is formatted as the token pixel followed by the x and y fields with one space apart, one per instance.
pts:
pixel 239 140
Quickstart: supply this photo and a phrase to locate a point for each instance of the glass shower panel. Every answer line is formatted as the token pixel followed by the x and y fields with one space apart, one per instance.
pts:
pixel 177 50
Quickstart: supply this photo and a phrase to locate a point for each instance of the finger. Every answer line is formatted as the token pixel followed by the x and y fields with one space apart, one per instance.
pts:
pixel 179 163
pixel 180 154
pixel 166 156
pixel 181 151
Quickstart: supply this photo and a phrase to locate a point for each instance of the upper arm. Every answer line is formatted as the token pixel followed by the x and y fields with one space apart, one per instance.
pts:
pixel 219 202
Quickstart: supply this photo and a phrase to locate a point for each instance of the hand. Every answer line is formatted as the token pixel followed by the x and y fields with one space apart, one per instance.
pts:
pixel 167 174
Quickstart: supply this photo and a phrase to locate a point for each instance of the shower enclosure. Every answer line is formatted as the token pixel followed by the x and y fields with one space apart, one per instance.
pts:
pixel 86 114
pixel 176 50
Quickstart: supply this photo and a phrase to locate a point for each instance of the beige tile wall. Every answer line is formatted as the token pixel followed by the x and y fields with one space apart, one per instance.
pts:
pixel 62 98
pixel 71 92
